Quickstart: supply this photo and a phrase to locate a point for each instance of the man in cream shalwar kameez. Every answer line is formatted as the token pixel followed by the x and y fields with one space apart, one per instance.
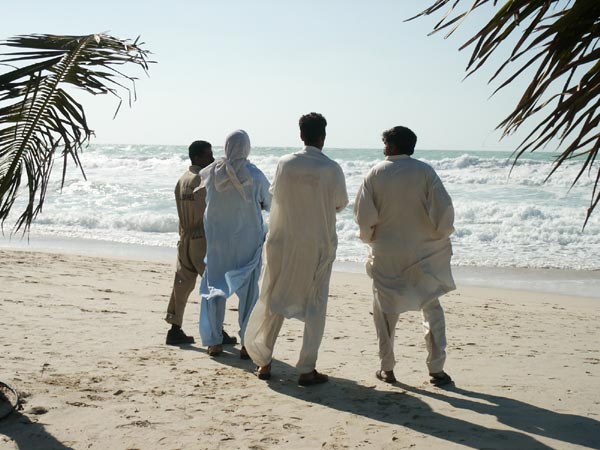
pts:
pixel 236 193
pixel 406 216
pixel 308 190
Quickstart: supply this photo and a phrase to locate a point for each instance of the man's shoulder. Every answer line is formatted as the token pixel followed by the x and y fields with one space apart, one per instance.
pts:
pixel 424 168
pixel 413 163
pixel 255 171
pixel 190 172
pixel 291 157
pixel 303 160
pixel 253 168
pixel 188 178
pixel 292 160
pixel 380 167
pixel 420 163
pixel 184 176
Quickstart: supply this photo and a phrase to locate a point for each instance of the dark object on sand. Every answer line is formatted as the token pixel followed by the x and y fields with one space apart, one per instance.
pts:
pixel 9 400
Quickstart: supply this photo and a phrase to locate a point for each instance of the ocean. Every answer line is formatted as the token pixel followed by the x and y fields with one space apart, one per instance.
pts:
pixel 504 218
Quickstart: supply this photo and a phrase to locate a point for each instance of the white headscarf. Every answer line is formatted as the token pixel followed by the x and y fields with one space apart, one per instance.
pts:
pixel 231 170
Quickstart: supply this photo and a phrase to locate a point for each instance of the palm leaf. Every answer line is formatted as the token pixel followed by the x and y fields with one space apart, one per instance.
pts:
pixel 39 120
pixel 560 40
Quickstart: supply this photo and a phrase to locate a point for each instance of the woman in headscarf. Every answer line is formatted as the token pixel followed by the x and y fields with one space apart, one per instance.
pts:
pixel 236 193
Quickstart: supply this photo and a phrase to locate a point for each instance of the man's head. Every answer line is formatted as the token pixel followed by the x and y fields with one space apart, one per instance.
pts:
pixel 237 145
pixel 201 153
pixel 312 129
pixel 399 141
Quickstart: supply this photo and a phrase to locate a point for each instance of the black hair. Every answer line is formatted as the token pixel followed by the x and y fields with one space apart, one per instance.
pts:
pixel 312 127
pixel 198 148
pixel 403 138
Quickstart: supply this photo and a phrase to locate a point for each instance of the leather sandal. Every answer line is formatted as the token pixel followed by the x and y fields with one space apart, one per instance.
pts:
pixel 264 372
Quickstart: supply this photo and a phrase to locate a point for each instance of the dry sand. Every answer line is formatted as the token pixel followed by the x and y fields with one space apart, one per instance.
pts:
pixel 82 339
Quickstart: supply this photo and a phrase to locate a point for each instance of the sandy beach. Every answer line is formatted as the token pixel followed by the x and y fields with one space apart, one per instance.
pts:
pixel 82 339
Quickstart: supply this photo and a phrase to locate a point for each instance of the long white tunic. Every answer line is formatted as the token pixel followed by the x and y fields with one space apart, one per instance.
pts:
pixel 406 216
pixel 234 235
pixel 308 189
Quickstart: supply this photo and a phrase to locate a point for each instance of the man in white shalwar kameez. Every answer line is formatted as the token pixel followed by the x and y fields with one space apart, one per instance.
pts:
pixel 236 193
pixel 308 190
pixel 406 216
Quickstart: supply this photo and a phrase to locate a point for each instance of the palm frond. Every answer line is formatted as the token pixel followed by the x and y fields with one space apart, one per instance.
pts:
pixel 559 40
pixel 39 120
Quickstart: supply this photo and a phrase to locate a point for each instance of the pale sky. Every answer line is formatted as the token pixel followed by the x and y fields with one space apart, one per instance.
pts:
pixel 260 65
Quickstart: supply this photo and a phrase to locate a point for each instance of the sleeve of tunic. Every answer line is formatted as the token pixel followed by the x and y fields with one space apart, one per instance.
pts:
pixel 265 195
pixel 365 212
pixel 440 208
pixel 275 178
pixel 178 204
pixel 341 195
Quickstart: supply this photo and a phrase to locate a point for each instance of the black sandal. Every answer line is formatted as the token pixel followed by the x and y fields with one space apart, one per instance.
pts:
pixel 440 378
pixel 383 376
pixel 228 340
pixel 215 350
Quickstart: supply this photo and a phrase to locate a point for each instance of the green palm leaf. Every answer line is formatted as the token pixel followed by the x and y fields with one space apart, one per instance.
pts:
pixel 560 41
pixel 40 120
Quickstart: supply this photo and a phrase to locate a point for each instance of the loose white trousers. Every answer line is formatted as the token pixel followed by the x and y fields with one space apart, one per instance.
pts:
pixel 212 312
pixel 434 328
pixel 266 326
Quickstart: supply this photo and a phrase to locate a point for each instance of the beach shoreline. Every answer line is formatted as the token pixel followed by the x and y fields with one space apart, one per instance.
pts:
pixel 83 341
pixel 580 283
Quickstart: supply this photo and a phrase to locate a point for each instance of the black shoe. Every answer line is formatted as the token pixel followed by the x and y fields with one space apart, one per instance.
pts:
pixel 440 378
pixel 314 377
pixel 215 350
pixel 178 337
pixel 228 340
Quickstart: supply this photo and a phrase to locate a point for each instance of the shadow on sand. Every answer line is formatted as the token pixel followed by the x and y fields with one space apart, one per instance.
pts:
pixel 522 416
pixel 407 408
pixel 29 435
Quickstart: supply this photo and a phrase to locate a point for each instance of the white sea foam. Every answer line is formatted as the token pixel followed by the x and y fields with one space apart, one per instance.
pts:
pixel 501 221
